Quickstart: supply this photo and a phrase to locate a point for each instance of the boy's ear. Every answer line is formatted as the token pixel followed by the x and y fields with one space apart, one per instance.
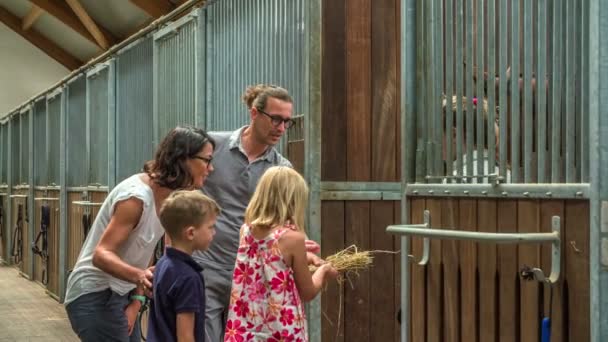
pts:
pixel 189 233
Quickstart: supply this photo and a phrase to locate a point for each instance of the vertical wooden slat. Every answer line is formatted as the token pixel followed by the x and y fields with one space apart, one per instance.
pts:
pixel 529 255
pixel 75 231
pixel 556 304
pixel 451 287
pixel 397 272
pixel 333 158
pixel 434 279
pixel 468 267
pixel 418 288
pixel 37 217
pixel 382 298
pixel 508 288
pixel 53 285
pixel 487 266
pixel 332 301
pixel 358 87
pixel 577 269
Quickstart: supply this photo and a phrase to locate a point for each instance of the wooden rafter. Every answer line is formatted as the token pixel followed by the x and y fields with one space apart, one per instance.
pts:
pixel 60 10
pixel 89 23
pixel 156 8
pixel 38 40
pixel 31 17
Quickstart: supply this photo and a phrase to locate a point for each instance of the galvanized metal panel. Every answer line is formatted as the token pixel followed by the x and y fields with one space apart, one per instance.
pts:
pixel 76 152
pixel 53 138
pixel 175 88
pixel 134 131
pixel 24 146
pixel 39 141
pixel 15 163
pixel 4 153
pixel 251 42
pixel 97 126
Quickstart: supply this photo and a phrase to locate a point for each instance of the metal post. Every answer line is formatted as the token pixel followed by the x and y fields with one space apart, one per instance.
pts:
pixel 63 198
pixel 408 139
pixel 598 235
pixel 112 124
pixel 30 199
pixel 312 127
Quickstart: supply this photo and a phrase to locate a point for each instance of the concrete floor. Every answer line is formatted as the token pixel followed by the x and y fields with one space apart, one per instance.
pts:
pixel 27 313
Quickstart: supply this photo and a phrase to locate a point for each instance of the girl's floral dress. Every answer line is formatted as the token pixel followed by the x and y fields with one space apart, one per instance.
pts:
pixel 264 304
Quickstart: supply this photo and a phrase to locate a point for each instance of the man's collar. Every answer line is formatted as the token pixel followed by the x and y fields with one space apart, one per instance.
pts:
pixel 235 141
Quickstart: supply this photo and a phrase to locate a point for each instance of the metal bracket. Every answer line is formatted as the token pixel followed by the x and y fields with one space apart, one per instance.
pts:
pixel 554 237
pixel 18 196
pixel 426 243
pixel 87 203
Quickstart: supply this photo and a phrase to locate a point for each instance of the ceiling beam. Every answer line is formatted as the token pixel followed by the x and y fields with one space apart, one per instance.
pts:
pixel 40 41
pixel 60 10
pixel 31 17
pixel 89 23
pixel 156 8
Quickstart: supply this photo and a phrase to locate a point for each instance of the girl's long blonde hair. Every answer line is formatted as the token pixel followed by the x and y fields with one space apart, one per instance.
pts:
pixel 280 197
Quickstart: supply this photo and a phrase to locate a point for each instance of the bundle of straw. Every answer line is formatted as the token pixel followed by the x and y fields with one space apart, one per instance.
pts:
pixel 348 260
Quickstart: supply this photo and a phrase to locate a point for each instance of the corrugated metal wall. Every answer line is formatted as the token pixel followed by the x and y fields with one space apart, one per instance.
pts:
pixel 134 128
pixel 240 52
pixel 53 143
pixel 39 140
pixel 98 115
pixel 175 75
pixel 76 133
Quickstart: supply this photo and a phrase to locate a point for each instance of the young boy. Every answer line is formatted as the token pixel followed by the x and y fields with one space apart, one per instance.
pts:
pixel 177 312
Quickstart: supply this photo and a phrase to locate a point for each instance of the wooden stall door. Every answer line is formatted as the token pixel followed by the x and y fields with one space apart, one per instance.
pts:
pixel 19 232
pixel 53 238
pixel 473 292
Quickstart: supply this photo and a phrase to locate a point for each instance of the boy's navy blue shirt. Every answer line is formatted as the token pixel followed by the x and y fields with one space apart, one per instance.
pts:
pixel 178 288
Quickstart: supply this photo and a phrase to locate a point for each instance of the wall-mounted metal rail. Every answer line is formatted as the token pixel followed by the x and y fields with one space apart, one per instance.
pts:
pixel 423 230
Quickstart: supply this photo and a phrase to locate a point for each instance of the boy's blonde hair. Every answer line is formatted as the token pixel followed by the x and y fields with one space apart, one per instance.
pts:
pixel 281 196
pixel 185 208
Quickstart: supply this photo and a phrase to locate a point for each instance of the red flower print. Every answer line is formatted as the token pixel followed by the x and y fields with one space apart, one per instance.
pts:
pixel 257 291
pixel 283 336
pixel 252 251
pixel 234 332
pixel 243 273
pixel 241 308
pixel 287 316
pixel 280 282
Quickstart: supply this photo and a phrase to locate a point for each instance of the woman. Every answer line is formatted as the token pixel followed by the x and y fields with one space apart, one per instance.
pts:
pixel 105 290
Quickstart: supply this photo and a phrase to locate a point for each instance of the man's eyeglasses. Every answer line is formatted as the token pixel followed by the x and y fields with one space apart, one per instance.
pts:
pixel 277 119
pixel 205 159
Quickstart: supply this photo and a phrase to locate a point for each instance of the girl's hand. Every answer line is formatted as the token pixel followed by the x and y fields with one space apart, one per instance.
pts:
pixel 131 312
pixel 330 271
pixel 312 259
pixel 312 246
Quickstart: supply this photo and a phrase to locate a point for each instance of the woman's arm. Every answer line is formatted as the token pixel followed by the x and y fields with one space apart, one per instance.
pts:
pixel 185 326
pixel 125 218
pixel 294 250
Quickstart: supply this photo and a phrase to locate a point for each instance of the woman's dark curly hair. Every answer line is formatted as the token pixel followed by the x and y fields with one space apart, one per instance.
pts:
pixel 169 168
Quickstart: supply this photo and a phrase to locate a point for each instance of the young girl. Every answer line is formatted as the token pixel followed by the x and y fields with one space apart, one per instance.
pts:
pixel 271 278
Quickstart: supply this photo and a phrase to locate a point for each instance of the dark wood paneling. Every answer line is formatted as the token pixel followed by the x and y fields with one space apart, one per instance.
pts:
pixel 295 154
pixel 451 287
pixel 468 267
pixel 385 43
pixel 383 301
pixel 75 230
pixel 332 241
pixel 508 288
pixel 333 156
pixel 528 254
pixel 548 209
pixel 53 285
pixel 487 266
pixel 434 279
pixel 358 90
pixel 38 264
pixel 418 289
pixel 357 308
pixel 577 269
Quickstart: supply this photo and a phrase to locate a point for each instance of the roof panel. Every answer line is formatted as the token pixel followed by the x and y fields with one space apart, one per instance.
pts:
pixel 120 17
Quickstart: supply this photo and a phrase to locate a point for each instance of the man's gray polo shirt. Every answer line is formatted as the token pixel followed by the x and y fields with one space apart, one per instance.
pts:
pixel 231 185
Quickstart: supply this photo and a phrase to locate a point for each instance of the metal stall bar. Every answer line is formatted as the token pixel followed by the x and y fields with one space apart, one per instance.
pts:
pixel 556 93
pixel 515 127
pixel 479 93
pixel 527 92
pixel 63 200
pixel 312 143
pixel 499 238
pixel 491 85
pixel 30 180
pixel 569 81
pixel 502 88
pixel 408 122
pixel 598 235
pixel 541 88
